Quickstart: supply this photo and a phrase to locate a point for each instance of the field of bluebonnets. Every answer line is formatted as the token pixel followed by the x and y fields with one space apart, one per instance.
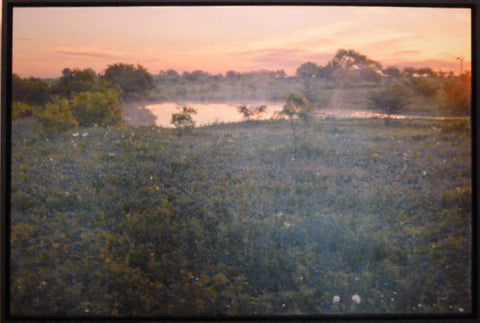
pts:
pixel 275 217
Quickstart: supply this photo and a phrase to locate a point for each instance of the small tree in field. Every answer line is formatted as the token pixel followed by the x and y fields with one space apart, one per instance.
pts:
pixel 297 107
pixel 184 120
pixel 390 100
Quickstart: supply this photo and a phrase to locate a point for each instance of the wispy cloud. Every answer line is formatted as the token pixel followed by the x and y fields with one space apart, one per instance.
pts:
pixel 87 52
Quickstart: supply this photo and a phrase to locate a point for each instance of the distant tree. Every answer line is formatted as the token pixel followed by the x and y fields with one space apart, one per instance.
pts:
pixel 409 71
pixel 390 100
pixel 31 90
pixel 249 112
pixel 172 73
pixel 195 76
pixel 133 81
pixel 297 107
pixel 392 72
pixel 426 71
pixel 326 72
pixel 307 72
pixel 347 66
pixel 280 74
pixel 184 120
pixel 232 75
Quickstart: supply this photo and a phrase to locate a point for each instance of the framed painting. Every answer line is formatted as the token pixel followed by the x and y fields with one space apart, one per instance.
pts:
pixel 239 160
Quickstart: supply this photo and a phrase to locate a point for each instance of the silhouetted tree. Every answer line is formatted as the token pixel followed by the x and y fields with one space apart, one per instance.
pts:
pixel 249 112
pixel 184 120
pixel 307 72
pixel 347 67
pixel 76 81
pixel 31 90
pixel 390 100
pixel 134 81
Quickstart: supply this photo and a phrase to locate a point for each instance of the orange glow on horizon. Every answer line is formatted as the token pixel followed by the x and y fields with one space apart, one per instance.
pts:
pixel 219 39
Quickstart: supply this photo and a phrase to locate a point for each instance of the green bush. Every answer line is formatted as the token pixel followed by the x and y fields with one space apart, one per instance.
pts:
pixel 21 110
pixel 101 108
pixel 57 117
pixel 390 100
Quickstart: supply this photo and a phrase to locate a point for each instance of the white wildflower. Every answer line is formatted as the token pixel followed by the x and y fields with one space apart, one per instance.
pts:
pixel 336 299
pixel 84 134
pixel 75 134
pixel 460 309
pixel 356 299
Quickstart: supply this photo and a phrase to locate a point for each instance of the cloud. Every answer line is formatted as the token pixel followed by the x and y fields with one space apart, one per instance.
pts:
pixel 86 52
pixel 406 52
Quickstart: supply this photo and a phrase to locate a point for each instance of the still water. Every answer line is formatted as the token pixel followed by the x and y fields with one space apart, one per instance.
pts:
pixel 209 113
pixel 217 113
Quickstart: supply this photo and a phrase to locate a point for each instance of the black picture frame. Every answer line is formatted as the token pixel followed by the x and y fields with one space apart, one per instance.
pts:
pixel 6 137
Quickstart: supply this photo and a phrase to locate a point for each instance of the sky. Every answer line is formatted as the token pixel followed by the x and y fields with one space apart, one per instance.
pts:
pixel 242 39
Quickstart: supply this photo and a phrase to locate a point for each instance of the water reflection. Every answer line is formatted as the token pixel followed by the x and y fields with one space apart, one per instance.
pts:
pixel 209 113
pixel 160 114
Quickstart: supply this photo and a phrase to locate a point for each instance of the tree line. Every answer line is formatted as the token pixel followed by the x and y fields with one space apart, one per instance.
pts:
pixel 85 98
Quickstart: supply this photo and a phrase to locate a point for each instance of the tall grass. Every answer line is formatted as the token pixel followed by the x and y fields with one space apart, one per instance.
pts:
pixel 227 220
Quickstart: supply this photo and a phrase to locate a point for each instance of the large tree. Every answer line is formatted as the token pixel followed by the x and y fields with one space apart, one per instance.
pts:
pixel 133 81
pixel 75 81
pixel 349 67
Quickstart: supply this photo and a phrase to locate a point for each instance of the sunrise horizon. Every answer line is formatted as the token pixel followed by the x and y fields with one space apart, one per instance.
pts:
pixel 241 39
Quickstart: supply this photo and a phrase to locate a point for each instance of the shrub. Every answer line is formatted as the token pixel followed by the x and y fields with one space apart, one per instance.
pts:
pixel 249 112
pixel 101 108
pixel 57 117
pixel 21 110
pixel 458 92
pixel 426 87
pixel 184 120
pixel 390 100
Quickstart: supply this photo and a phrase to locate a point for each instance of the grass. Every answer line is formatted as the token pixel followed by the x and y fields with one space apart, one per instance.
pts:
pixel 227 220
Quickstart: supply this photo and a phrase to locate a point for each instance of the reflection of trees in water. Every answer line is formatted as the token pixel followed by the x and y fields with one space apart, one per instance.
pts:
pixel 138 115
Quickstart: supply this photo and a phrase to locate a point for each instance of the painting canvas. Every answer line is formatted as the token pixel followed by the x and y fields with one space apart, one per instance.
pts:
pixel 225 161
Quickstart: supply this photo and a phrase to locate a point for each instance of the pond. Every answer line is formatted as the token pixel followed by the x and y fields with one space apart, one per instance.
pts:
pixel 207 113
pixel 160 114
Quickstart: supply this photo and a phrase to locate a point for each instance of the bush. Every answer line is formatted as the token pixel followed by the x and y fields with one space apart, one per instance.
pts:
pixel 184 120
pixel 426 87
pixel 458 92
pixel 21 110
pixel 390 100
pixel 101 108
pixel 57 117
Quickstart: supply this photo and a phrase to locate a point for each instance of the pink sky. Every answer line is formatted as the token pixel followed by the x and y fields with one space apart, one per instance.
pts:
pixel 218 39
